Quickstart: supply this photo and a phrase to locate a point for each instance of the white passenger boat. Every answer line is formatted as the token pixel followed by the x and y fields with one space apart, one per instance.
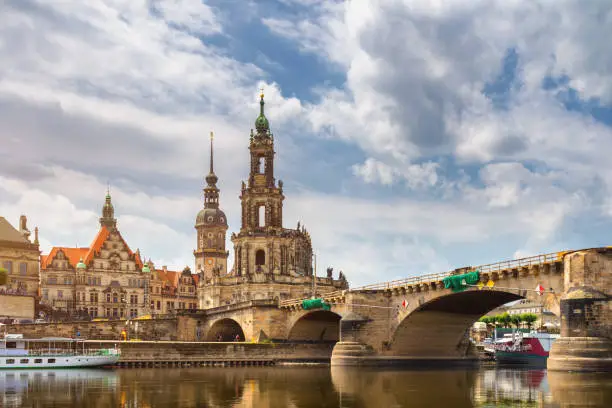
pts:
pixel 52 352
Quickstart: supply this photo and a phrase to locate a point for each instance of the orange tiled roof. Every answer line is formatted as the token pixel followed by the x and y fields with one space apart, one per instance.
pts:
pixel 87 253
pixel 73 255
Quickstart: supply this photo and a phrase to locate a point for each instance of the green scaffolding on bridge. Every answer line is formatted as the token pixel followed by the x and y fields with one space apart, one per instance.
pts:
pixel 459 283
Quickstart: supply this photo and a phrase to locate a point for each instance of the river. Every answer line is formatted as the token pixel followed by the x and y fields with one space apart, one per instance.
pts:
pixel 271 387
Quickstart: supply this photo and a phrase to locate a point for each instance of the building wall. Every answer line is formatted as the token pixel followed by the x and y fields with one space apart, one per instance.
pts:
pixel 22 263
pixel 16 307
pixel 228 290
pixel 157 329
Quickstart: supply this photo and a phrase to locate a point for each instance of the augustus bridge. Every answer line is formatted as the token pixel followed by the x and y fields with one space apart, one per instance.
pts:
pixel 427 317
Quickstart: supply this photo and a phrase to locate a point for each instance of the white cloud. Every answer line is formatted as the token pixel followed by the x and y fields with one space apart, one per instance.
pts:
pixel 104 89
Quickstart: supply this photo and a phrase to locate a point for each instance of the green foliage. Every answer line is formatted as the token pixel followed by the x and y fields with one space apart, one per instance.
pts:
pixel 506 319
pixel 529 318
pixel 3 276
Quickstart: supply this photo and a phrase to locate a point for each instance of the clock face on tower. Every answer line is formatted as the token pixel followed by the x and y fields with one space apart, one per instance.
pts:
pixel 210 261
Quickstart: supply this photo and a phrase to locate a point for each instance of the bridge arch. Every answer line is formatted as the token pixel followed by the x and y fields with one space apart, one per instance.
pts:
pixel 318 325
pixel 225 330
pixel 437 328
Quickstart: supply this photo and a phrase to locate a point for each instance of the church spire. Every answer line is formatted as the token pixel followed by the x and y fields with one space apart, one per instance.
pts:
pixel 261 123
pixel 108 212
pixel 211 192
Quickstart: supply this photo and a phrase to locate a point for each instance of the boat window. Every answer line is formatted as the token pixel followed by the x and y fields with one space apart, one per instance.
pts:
pixel 11 344
pixel 51 360
pixel 24 361
pixel 38 361
pixel 10 361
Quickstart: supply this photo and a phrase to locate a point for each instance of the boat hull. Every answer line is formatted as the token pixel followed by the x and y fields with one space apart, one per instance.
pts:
pixel 520 358
pixel 19 362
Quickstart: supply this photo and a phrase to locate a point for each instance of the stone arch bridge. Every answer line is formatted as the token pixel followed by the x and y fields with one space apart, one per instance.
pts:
pixel 418 318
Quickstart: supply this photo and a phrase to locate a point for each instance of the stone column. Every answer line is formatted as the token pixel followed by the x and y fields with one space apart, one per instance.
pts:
pixel 586 313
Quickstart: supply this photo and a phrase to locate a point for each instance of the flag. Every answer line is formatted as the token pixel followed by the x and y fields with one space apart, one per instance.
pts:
pixel 490 283
pixel 480 285
pixel 540 289
pixel 404 304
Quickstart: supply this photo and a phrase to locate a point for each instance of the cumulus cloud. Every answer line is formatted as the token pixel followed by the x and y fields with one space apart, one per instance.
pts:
pixel 103 91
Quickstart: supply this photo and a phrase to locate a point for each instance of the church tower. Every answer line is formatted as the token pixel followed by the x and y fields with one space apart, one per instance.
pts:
pixel 211 226
pixel 108 219
pixel 262 246
pixel 262 199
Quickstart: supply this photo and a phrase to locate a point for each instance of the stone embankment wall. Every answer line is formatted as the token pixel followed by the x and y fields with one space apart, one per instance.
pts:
pixel 164 351
pixel 15 306
pixel 158 329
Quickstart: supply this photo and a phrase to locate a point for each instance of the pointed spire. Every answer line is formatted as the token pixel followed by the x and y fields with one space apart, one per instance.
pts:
pixel 212 178
pixel 212 136
pixel 261 123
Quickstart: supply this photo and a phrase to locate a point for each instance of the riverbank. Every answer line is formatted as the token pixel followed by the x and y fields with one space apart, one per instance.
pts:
pixel 193 354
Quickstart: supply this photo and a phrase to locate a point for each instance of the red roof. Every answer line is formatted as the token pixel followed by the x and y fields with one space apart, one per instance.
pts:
pixel 87 253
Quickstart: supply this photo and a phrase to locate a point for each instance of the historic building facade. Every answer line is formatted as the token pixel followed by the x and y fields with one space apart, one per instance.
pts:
pixel 270 261
pixel 19 258
pixel 105 280
pixel 172 291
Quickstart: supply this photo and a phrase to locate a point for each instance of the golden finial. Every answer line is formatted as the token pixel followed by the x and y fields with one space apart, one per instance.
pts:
pixel 262 93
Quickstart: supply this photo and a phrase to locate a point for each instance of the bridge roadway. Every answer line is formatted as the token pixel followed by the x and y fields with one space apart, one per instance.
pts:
pixel 413 284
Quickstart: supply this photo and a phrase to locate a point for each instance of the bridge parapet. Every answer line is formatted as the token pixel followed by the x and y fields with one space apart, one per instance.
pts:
pixel 337 296
pixel 544 263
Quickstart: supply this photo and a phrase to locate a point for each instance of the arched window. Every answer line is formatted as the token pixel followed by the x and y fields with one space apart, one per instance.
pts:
pixel 262 215
pixel 260 165
pixel 260 257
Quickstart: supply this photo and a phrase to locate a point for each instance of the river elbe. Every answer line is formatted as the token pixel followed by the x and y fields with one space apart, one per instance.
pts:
pixel 302 387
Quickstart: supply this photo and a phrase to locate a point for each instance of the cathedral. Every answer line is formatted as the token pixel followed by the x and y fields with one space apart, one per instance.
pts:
pixel 270 262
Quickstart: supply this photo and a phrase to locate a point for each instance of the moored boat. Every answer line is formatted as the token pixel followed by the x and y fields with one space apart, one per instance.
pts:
pixel 525 348
pixel 52 352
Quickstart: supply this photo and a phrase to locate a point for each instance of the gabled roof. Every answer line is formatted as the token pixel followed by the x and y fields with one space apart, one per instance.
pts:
pixel 87 253
pixel 73 255
pixel 9 233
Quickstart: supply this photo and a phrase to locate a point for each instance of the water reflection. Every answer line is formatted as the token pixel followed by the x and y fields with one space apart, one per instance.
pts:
pixel 301 388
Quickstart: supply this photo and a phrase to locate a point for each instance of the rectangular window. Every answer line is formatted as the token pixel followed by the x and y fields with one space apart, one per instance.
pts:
pixel 52 280
pixel 10 361
pixel 158 305
pixel 46 294
pixel 50 360
pixel 24 361
pixel 108 297
pixel 38 361
pixel 8 265
pixel 23 269
pixel 60 294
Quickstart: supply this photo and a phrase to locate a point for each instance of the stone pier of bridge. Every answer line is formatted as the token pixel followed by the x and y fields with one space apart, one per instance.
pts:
pixel 417 320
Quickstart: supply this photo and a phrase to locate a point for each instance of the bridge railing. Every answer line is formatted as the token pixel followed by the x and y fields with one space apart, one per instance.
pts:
pixel 325 296
pixel 437 277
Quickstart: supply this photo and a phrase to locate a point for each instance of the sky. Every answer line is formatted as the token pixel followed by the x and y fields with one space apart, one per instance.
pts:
pixel 412 136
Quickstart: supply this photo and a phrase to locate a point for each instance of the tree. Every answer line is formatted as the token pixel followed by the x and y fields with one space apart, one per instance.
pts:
pixel 529 319
pixel 516 320
pixel 505 319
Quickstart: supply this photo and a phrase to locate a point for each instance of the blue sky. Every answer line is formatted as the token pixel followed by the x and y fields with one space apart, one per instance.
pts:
pixel 412 136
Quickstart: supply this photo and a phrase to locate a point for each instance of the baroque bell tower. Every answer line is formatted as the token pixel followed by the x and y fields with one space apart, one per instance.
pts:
pixel 262 199
pixel 211 227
